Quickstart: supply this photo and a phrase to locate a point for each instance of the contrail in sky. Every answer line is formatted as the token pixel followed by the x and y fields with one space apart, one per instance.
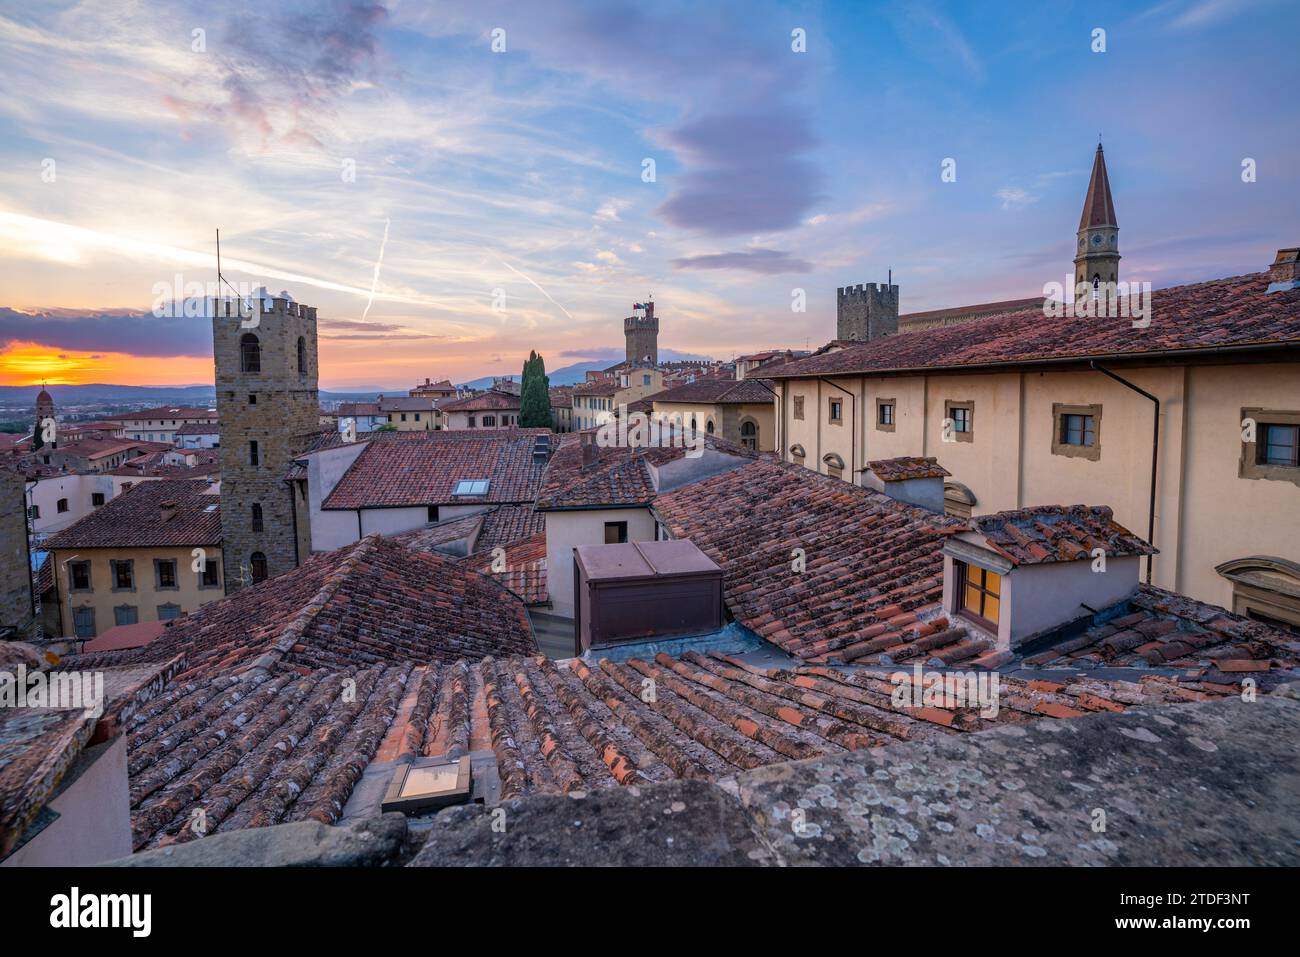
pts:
pixel 537 287
pixel 378 262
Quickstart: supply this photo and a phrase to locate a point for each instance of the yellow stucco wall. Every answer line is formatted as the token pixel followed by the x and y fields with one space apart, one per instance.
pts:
pixel 145 597
pixel 1205 513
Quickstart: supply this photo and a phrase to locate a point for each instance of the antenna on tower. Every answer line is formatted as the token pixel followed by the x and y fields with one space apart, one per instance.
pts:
pixel 221 278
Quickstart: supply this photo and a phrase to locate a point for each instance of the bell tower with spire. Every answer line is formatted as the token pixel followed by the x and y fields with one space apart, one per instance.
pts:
pixel 1096 257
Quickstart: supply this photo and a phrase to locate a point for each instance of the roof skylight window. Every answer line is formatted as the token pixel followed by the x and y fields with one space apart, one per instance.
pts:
pixel 471 487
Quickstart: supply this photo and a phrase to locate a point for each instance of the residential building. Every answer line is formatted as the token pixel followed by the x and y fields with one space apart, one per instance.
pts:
pixel 561 397
pixel 593 402
pixel 398 482
pixel 199 435
pixel 161 423
pixel 487 410
pixel 269 408
pixel 95 454
pixel 361 416
pixel 741 412
pixel 747 364
pixel 411 413
pixel 1023 409
pixel 152 554
pixel 443 389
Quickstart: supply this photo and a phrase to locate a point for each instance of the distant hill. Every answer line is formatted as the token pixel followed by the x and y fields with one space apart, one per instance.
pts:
pixel 103 394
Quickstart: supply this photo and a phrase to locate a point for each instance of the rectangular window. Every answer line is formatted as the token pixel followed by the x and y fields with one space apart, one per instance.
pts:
pixel 79 576
pixel 1077 431
pixel 83 622
pixel 403 416
pixel 253 455
pixel 798 407
pixel 252 398
pixel 836 410
pixel 959 421
pixel 489 421
pixel 979 593
pixel 615 533
pixel 433 513
pixel 126 615
pixel 471 487
pixel 1270 445
pixel 165 573
pixel 645 380
pixel 885 415
pixel 168 612
pixel 63 505
pixel 123 575
pixel 1279 445
pixel 211 577
pixel 34 511
pixel 96 499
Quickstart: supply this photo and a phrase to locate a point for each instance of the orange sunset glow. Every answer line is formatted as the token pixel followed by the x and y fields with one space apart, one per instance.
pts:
pixel 25 363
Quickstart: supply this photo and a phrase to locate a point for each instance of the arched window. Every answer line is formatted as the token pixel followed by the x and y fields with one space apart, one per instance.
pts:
pixel 834 465
pixel 302 356
pixel 257 567
pixel 694 425
pixel 257 517
pixel 250 353
pixel 749 434
pixel 708 426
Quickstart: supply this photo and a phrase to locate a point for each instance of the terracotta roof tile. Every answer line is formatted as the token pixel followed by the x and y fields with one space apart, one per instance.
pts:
pixel 907 467
pixel 425 468
pixel 134 519
pixel 1220 314
pixel 1057 533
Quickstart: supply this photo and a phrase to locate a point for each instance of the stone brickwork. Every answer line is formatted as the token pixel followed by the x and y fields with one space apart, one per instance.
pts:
pixel 15 568
pixel 278 407
pixel 866 311
pixel 642 335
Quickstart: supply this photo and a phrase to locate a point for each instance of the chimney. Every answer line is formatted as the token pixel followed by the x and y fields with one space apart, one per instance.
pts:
pixel 167 510
pixel 912 479
pixel 588 448
pixel 1285 271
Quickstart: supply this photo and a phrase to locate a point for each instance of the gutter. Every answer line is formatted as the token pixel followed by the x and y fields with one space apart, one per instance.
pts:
pixel 853 400
pixel 1155 450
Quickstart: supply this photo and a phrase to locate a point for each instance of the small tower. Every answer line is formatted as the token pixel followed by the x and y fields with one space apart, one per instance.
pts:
pixel 269 410
pixel 866 311
pixel 1096 258
pixel 642 335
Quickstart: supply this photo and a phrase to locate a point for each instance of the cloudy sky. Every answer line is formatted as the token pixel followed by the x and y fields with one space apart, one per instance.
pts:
pixel 320 135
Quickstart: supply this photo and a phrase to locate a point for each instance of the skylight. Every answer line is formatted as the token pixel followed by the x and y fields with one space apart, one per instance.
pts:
pixel 471 487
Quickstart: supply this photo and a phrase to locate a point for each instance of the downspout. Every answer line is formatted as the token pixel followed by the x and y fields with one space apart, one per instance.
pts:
pixel 852 444
pixel 1155 450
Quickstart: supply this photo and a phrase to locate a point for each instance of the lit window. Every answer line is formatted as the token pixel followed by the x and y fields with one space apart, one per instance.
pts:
pixel 979 592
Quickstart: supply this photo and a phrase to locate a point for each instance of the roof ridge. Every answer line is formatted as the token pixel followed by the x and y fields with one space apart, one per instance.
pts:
pixel 297 626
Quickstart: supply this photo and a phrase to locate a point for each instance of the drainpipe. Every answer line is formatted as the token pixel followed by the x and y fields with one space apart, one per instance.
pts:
pixel 853 406
pixel 1155 449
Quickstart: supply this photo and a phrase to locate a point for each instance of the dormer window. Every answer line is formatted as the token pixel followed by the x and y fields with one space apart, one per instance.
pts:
pixel 979 593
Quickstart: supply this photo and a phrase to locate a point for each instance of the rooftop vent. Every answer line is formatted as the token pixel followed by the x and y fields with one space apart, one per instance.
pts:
pixel 541 449
pixel 167 511
pixel 911 479
pixel 641 590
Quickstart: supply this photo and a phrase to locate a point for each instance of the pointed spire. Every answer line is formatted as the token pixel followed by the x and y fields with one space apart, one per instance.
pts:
pixel 1098 207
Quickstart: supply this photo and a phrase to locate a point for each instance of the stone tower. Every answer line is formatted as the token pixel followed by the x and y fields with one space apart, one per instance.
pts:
pixel 1096 258
pixel 642 335
pixel 269 411
pixel 866 311
pixel 44 410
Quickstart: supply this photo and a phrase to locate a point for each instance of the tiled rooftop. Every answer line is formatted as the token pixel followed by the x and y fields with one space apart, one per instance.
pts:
pixel 423 468
pixel 1057 533
pixel 199 428
pixel 486 402
pixel 717 392
pixel 873 565
pixel 1161 629
pixel 372 602
pixel 524 571
pixel 134 519
pixel 908 467
pixel 166 412
pixel 1220 314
